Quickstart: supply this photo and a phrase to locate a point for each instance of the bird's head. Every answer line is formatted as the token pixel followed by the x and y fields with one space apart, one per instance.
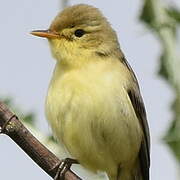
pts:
pixel 80 33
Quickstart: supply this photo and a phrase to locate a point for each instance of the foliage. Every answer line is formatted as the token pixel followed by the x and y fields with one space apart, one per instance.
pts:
pixel 164 22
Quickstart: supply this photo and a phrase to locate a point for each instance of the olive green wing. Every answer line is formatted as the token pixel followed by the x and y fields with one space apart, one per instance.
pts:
pixel 138 105
pixel 144 154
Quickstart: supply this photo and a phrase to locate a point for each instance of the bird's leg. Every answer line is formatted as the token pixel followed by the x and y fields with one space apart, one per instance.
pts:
pixel 63 167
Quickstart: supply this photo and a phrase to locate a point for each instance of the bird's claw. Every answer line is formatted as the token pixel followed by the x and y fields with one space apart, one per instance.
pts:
pixel 64 166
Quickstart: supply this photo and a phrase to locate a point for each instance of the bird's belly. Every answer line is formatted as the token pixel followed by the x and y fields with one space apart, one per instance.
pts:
pixel 96 125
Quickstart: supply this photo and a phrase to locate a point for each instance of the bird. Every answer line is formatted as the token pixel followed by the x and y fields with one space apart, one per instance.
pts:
pixel 94 105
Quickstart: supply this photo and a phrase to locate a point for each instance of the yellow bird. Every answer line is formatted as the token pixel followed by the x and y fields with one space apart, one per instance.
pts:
pixel 94 104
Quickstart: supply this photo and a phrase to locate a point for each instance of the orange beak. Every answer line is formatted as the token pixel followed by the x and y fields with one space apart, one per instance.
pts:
pixel 45 34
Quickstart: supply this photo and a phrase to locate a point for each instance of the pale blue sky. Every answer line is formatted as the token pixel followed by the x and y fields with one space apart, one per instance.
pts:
pixel 26 67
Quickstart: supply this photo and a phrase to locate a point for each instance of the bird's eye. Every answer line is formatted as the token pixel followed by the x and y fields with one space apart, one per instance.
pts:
pixel 79 32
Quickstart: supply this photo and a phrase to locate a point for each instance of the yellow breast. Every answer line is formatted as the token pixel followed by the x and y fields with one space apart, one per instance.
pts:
pixel 90 113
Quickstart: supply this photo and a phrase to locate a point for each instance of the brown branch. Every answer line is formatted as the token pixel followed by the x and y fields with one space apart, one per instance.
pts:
pixel 11 126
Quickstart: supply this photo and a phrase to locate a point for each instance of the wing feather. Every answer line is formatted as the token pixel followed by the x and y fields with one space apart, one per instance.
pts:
pixel 138 105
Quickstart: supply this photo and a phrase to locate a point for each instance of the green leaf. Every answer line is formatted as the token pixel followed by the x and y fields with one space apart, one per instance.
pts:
pixel 174 13
pixel 147 15
pixel 163 68
pixel 173 139
pixel 29 118
pixel 51 138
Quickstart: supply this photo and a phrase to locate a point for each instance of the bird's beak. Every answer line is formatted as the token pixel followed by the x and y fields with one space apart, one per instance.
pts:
pixel 46 34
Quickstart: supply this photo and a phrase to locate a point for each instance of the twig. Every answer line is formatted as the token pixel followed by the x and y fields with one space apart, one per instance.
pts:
pixel 11 126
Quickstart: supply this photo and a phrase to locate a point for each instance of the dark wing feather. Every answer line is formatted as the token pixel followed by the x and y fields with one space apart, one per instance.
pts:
pixel 145 145
pixel 138 105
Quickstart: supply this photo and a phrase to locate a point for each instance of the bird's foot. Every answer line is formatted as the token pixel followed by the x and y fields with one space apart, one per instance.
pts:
pixel 64 166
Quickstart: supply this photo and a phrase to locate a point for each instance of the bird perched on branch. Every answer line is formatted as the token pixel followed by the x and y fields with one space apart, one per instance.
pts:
pixel 94 104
